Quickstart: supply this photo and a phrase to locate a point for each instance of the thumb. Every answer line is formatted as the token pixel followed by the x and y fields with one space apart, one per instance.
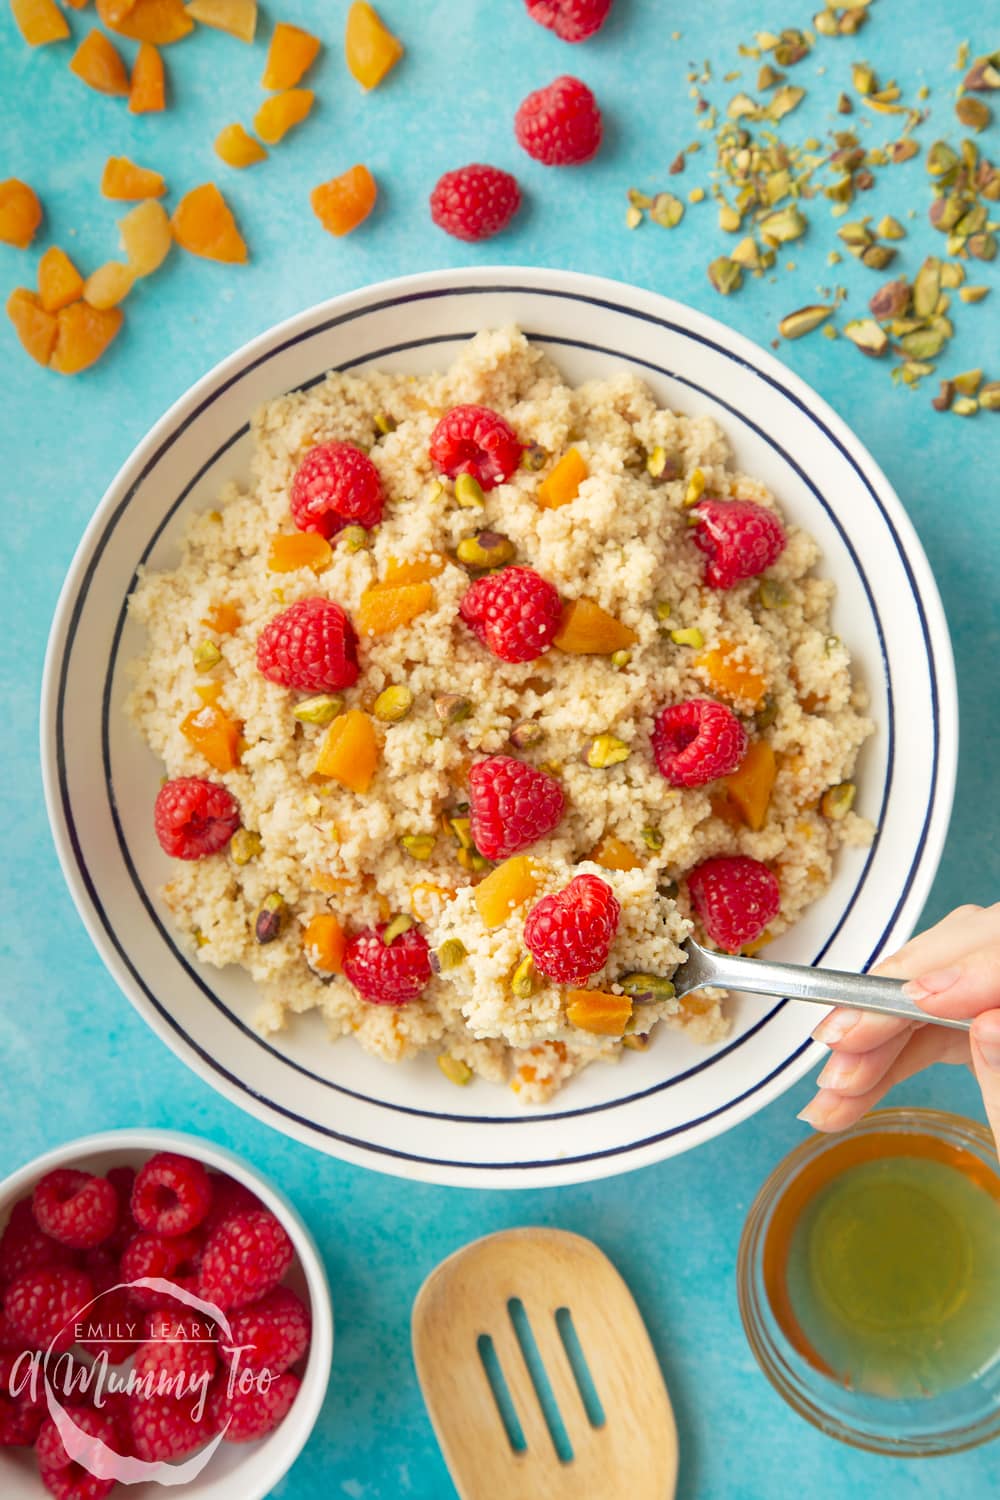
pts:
pixel 985 1039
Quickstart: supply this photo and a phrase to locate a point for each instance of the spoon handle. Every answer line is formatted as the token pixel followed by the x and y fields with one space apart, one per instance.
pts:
pixel 758 976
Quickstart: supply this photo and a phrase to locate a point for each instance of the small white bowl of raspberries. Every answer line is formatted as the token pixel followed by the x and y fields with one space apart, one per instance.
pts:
pixel 165 1319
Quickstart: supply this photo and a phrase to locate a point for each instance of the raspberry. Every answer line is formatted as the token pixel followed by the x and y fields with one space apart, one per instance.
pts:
pixel 151 1255
pixel 475 202
pixel 113 1317
pixel 697 741
pixel 42 1305
pixel 511 805
pixel 336 485
pixel 122 1179
pixel 165 1426
pixel 560 125
pixel 180 1353
pixel 741 539
pixel 569 935
pixel 572 20
pixel 272 1334
pixel 244 1258
pixel 22 1404
pixel 475 440
pixel 172 1194
pixel 229 1197
pixel 311 646
pixel 75 1208
pixel 251 1415
pixel 24 1247
pixel 60 1474
pixel 515 613
pixel 388 974
pixel 735 897
pixel 194 817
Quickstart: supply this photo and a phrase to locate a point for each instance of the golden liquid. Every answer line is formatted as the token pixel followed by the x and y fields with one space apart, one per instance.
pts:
pixel 883 1265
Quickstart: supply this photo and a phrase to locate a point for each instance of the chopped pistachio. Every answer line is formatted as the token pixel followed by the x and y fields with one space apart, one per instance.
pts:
pixel 418 845
pixel 784 100
pixel 435 492
pixel 270 918
pixel 825 23
pixel 833 258
pixel 487 549
pixel 646 988
pixel 942 401
pixel 729 219
pixel 452 708
pixel 692 636
pixel 877 257
pixel 989 396
pixel 788 223
pixel 973 293
pixel 524 982
pixel 927 287
pixel 451 953
pixel 606 750
pixel 320 710
pixel 393 704
pixel 657 463
pixel 653 839
pixel 353 538
pixel 462 829
pixel 838 800
pixel 983 246
pixel 468 492
pixel 890 229
pixel 863 78
pixel 472 860
pixel 663 609
pixel 206 656
pixel 620 659
pixel 891 300
pixel 633 217
pixel 526 734
pixel 747 253
pixel 244 846
pixel 972 221
pixel 772 594
pixel 766 714
pixel 534 457
pixel 725 275
pixel 695 487
pixel 974 114
pixel 794 325
pixel 844 105
pixel 984 74
pixel 904 150
pixel 952 273
pixel 639 199
pixel 965 406
pixel 394 929
pixel 941 160
pixel 968 382
pixel 636 1041
pixel 856 236
pixel 666 210
pixel 696 195
pixel 384 423
pixel 454 1069
pixel 768 77
pixel 923 343
pixel 867 335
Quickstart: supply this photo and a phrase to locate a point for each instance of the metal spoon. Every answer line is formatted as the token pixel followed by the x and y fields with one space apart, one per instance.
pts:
pixel 760 976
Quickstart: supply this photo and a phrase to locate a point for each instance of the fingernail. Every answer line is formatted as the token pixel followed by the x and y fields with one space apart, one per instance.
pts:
pixel 934 983
pixel 834 1027
pixel 814 1113
pixel 987 1033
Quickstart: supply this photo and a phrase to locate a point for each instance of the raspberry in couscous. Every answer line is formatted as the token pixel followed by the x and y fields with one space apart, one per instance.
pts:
pixel 481 695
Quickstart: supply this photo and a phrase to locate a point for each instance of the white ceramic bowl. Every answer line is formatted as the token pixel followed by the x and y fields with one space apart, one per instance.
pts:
pixel 101 782
pixel 250 1470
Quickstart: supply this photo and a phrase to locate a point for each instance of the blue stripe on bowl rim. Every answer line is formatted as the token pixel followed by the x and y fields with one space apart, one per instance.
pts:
pixel 212 1062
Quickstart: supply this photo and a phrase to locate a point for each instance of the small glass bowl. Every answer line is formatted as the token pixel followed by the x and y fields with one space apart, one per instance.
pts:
pixel 948 1422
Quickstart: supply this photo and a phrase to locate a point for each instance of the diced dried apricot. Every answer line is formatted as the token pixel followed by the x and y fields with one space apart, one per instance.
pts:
pixel 157 21
pixel 39 21
pixel 729 675
pixel 98 63
pixel 615 854
pixel 146 236
pixel 20 213
pixel 77 4
pixel 563 484
pixel 223 618
pixel 281 112
pixel 59 282
pixel 237 17
pixel 415 570
pixel 588 630
pixel 35 327
pixel 749 786
pixel 237 147
pixel 122 179
pixel 726 810
pixel 385 609
pixel 427 899
pixel 203 223
pixel 214 735
pixel 147 91
pixel 324 942
pixel 83 334
pixel 597 1010
pixel 749 949
pixel 292 550
pixel 369 46
pixel 290 56
pixel 505 889
pixel 208 692
pixel 345 201
pixel 349 753
pixel 109 284
pixel 331 885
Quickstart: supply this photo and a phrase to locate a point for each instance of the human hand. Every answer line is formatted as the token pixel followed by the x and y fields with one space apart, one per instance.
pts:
pixel 953 970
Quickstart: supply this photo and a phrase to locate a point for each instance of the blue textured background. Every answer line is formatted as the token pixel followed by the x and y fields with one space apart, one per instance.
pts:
pixel 76 1058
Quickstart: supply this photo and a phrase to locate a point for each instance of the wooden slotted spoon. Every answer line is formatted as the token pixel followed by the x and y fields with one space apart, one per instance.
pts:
pixel 632 1452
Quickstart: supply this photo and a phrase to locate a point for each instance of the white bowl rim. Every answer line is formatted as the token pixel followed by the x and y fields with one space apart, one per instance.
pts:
pixel 656 309
pixel 316 1379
